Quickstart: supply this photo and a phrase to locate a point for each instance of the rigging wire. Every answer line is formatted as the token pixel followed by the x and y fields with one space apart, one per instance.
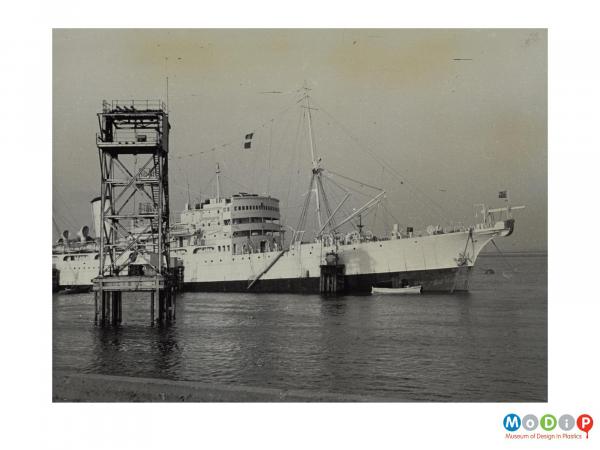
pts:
pixel 390 213
pixel 374 221
pixel 228 145
pixel 354 180
pixel 304 213
pixel 328 209
pixel 294 157
pixel 243 186
pixel 345 188
pixel 510 266
pixel 207 186
pixel 56 227
pixel 383 163
pixel 65 216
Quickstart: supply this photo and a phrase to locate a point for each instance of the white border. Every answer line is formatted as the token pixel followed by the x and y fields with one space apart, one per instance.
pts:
pixel 35 422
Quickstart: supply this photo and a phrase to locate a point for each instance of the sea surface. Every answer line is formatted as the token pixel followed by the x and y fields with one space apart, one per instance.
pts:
pixel 486 345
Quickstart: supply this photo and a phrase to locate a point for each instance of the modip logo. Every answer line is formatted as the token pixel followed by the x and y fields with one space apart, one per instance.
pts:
pixel 585 423
pixel 512 422
pixel 547 427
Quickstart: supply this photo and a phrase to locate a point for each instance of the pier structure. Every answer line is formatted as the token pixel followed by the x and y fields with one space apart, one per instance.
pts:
pixel 332 280
pixel 133 147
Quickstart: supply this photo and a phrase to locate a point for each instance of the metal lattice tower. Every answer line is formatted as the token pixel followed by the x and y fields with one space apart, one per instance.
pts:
pixel 133 147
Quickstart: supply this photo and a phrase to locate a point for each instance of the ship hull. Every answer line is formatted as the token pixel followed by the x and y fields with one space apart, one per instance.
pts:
pixel 435 280
pixel 439 263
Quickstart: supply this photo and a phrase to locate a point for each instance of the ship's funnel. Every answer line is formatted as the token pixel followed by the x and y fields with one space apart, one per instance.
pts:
pixel 84 234
pixel 96 214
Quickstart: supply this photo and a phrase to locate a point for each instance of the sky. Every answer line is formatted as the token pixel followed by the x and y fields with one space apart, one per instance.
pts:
pixel 441 119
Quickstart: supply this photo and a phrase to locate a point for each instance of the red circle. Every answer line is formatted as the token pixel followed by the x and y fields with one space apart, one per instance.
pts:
pixel 587 426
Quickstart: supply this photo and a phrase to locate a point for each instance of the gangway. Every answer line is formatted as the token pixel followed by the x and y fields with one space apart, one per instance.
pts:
pixel 279 255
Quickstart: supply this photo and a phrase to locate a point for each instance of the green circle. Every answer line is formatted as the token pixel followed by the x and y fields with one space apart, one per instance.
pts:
pixel 548 422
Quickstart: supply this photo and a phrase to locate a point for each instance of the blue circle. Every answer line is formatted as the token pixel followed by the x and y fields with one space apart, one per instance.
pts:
pixel 512 422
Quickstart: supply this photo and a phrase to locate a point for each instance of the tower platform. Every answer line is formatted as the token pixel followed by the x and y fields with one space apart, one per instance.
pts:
pixel 108 297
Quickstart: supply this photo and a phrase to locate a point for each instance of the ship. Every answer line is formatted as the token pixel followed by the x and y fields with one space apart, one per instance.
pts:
pixel 237 243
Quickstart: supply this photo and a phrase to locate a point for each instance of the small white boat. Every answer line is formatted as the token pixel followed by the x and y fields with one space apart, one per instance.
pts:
pixel 400 290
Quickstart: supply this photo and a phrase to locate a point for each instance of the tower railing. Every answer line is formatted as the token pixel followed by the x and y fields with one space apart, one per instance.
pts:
pixel 117 106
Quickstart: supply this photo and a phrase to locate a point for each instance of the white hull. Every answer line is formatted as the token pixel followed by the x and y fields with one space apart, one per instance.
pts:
pixel 439 252
pixel 397 291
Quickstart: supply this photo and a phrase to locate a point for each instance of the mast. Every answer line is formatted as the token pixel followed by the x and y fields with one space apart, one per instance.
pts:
pixel 310 131
pixel 316 186
pixel 217 172
pixel 315 164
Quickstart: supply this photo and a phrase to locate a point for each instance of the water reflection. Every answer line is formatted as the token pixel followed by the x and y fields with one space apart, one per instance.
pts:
pixel 428 347
pixel 142 349
pixel 333 306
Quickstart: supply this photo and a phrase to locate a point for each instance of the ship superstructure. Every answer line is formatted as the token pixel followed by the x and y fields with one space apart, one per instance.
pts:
pixel 240 224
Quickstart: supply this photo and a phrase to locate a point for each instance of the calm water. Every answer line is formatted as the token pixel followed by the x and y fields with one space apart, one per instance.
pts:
pixel 488 345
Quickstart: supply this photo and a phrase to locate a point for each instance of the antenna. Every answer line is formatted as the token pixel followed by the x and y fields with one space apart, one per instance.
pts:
pixel 167 80
pixel 188 190
pixel 310 131
pixel 217 172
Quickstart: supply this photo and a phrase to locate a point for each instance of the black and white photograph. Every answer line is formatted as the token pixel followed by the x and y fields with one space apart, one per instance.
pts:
pixel 311 225
pixel 338 215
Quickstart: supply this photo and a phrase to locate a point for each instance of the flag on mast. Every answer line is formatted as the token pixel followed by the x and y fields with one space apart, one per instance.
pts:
pixel 503 194
pixel 248 141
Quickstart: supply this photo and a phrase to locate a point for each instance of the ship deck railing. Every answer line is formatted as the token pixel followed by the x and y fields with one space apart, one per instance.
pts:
pixel 75 248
